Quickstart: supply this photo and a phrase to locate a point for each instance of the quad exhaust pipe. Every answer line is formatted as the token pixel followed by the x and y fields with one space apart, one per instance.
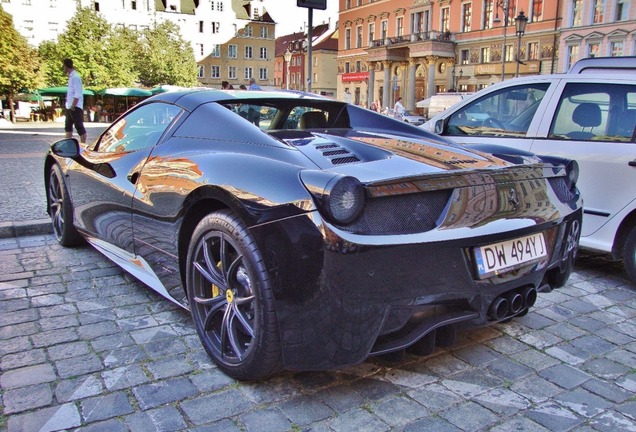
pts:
pixel 512 303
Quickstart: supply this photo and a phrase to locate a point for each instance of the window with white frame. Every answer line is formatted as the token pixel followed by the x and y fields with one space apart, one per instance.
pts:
pixel 467 10
pixel 248 31
pixel 399 31
pixel 232 51
pixel 533 51
pixel 262 74
pixel 622 9
pixel 315 61
pixel 216 51
pixel 200 26
pixel 599 9
pixel 346 67
pixel 573 55
pixel 371 33
pixel 248 52
pixel 358 66
pixel 219 6
pixel 384 29
pixel 577 12
pixel 212 4
pixel 486 23
pixel 249 73
pixel 464 56
pixel 536 11
pixel 200 49
pixel 347 40
pixel 359 36
pixel 231 72
pixel 263 53
pixel 485 54
pixel 200 71
pixel 509 52
pixel 216 27
pixel 593 49
pixel 445 19
pixel 264 32
pixel 616 48
pixel 215 71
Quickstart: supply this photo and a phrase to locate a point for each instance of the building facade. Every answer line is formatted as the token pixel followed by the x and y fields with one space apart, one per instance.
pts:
pixel 417 48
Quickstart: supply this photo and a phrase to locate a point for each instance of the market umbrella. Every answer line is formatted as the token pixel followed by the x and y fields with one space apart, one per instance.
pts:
pixel 61 91
pixel 424 103
pixel 126 91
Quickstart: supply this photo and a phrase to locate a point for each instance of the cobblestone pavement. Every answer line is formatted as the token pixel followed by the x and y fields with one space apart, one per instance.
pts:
pixel 83 346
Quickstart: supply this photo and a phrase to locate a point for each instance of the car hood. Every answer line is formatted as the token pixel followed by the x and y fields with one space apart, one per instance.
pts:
pixel 371 156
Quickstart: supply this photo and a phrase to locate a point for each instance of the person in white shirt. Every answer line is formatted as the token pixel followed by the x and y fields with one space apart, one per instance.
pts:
pixel 74 102
pixel 399 109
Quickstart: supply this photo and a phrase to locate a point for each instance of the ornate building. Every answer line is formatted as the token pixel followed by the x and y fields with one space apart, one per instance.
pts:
pixel 417 48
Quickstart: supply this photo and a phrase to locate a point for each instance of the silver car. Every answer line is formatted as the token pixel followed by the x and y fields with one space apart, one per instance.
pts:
pixel 568 115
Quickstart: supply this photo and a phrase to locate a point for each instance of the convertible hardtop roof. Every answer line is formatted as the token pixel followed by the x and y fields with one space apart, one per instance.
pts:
pixel 191 98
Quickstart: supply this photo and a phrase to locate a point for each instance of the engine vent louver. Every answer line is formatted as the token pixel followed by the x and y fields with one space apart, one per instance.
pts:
pixel 336 154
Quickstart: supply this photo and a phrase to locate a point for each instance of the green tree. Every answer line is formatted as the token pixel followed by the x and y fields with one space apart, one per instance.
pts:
pixel 165 57
pixel 19 65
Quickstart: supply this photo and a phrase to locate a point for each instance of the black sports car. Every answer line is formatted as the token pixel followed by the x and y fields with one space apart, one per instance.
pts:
pixel 304 233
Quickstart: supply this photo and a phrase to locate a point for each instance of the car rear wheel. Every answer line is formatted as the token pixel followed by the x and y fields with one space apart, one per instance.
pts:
pixel 629 255
pixel 231 298
pixel 61 209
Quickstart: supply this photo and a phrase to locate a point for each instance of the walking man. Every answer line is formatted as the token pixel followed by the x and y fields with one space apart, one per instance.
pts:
pixel 74 102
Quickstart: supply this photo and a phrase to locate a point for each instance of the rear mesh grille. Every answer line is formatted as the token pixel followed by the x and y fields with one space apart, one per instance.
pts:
pixel 401 214
pixel 560 187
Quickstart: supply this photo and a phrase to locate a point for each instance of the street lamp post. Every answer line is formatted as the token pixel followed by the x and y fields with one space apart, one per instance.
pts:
pixel 287 56
pixel 520 23
pixel 504 7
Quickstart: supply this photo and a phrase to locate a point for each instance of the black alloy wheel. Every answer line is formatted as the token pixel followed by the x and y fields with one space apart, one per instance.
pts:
pixel 61 209
pixel 231 298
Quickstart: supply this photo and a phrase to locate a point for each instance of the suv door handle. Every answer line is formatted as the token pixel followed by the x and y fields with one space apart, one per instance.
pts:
pixel 632 163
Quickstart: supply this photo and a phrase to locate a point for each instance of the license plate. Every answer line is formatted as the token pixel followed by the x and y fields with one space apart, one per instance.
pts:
pixel 507 255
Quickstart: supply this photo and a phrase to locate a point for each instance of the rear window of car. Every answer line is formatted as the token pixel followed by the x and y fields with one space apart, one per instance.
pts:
pixel 589 112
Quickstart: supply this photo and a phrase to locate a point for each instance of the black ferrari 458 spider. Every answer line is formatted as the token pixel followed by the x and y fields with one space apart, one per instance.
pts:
pixel 304 233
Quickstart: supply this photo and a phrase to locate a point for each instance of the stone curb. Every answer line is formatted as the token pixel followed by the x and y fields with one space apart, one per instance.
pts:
pixel 27 228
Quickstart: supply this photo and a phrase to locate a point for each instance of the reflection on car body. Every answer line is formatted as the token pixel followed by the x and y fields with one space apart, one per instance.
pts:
pixel 324 235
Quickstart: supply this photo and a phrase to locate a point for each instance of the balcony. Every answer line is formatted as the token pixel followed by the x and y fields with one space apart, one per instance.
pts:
pixel 400 48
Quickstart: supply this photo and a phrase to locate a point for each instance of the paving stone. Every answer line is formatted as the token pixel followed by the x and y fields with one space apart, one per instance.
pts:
pixel 566 331
pixel 52 419
pixel 535 321
pixel 78 388
pixel 68 350
pixel 27 376
pixel 164 392
pixel 19 330
pixel 554 416
pixel 397 411
pixel 613 421
pixel 340 398
pixel 628 382
pixel 583 403
pixel 265 420
pixel 435 397
pixel 169 367
pixel 502 401
pixel 607 390
pixel 476 355
pixel 123 356
pixel 214 407
pixel 508 370
pixel 305 409
pixel 406 378
pixel 534 359
pixel 613 336
pixel 210 380
pixel 164 419
pixel 54 337
pixel 593 345
pixel 605 368
pixel 470 416
pixel 165 347
pixel 56 323
pixel 586 323
pixel 446 365
pixel 93 331
pixel 518 424
pixel 536 389
pixel 358 420
pixel 224 425
pixel 22 359
pixel 628 409
pixel 565 376
pixel 146 335
pixel 275 389
pixel 373 389
pixel 540 339
pixel 431 424
pixel 27 398
pixel 112 425
pixel 506 345
pixel 80 365
pixel 106 407
pixel 624 357
pixel 124 377
pixel 568 354
pixel 18 317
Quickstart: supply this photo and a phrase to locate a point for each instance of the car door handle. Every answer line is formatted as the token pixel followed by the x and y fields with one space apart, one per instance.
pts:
pixel 133 176
pixel 632 163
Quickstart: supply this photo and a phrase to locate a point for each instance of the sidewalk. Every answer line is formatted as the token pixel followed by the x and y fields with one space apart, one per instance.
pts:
pixel 23 146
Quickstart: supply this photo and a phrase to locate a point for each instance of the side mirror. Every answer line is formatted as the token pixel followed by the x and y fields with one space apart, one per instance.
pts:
pixel 439 126
pixel 68 148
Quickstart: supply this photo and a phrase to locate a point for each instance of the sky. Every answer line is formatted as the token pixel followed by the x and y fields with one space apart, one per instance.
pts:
pixel 289 18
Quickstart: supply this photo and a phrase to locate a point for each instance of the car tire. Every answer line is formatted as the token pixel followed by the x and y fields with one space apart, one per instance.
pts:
pixel 231 298
pixel 629 255
pixel 61 209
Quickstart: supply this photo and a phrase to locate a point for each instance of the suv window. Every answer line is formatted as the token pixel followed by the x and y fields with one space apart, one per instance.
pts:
pixel 589 112
pixel 505 113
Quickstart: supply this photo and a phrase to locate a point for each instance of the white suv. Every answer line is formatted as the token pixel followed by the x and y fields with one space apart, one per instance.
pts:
pixel 590 118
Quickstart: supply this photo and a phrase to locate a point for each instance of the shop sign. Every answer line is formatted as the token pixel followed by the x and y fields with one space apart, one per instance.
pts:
pixel 355 76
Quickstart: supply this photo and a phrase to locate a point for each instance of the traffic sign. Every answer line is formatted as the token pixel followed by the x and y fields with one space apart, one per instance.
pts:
pixel 313 4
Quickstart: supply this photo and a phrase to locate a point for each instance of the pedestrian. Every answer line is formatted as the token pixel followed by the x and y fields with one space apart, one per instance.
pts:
pixel 225 85
pixel 253 85
pixel 399 109
pixel 74 102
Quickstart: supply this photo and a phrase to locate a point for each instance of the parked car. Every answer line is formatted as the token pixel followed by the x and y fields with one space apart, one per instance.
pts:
pixel 583 116
pixel 412 118
pixel 313 243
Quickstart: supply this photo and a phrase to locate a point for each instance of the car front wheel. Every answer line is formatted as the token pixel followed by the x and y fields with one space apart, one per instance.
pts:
pixel 61 209
pixel 231 298
pixel 629 255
